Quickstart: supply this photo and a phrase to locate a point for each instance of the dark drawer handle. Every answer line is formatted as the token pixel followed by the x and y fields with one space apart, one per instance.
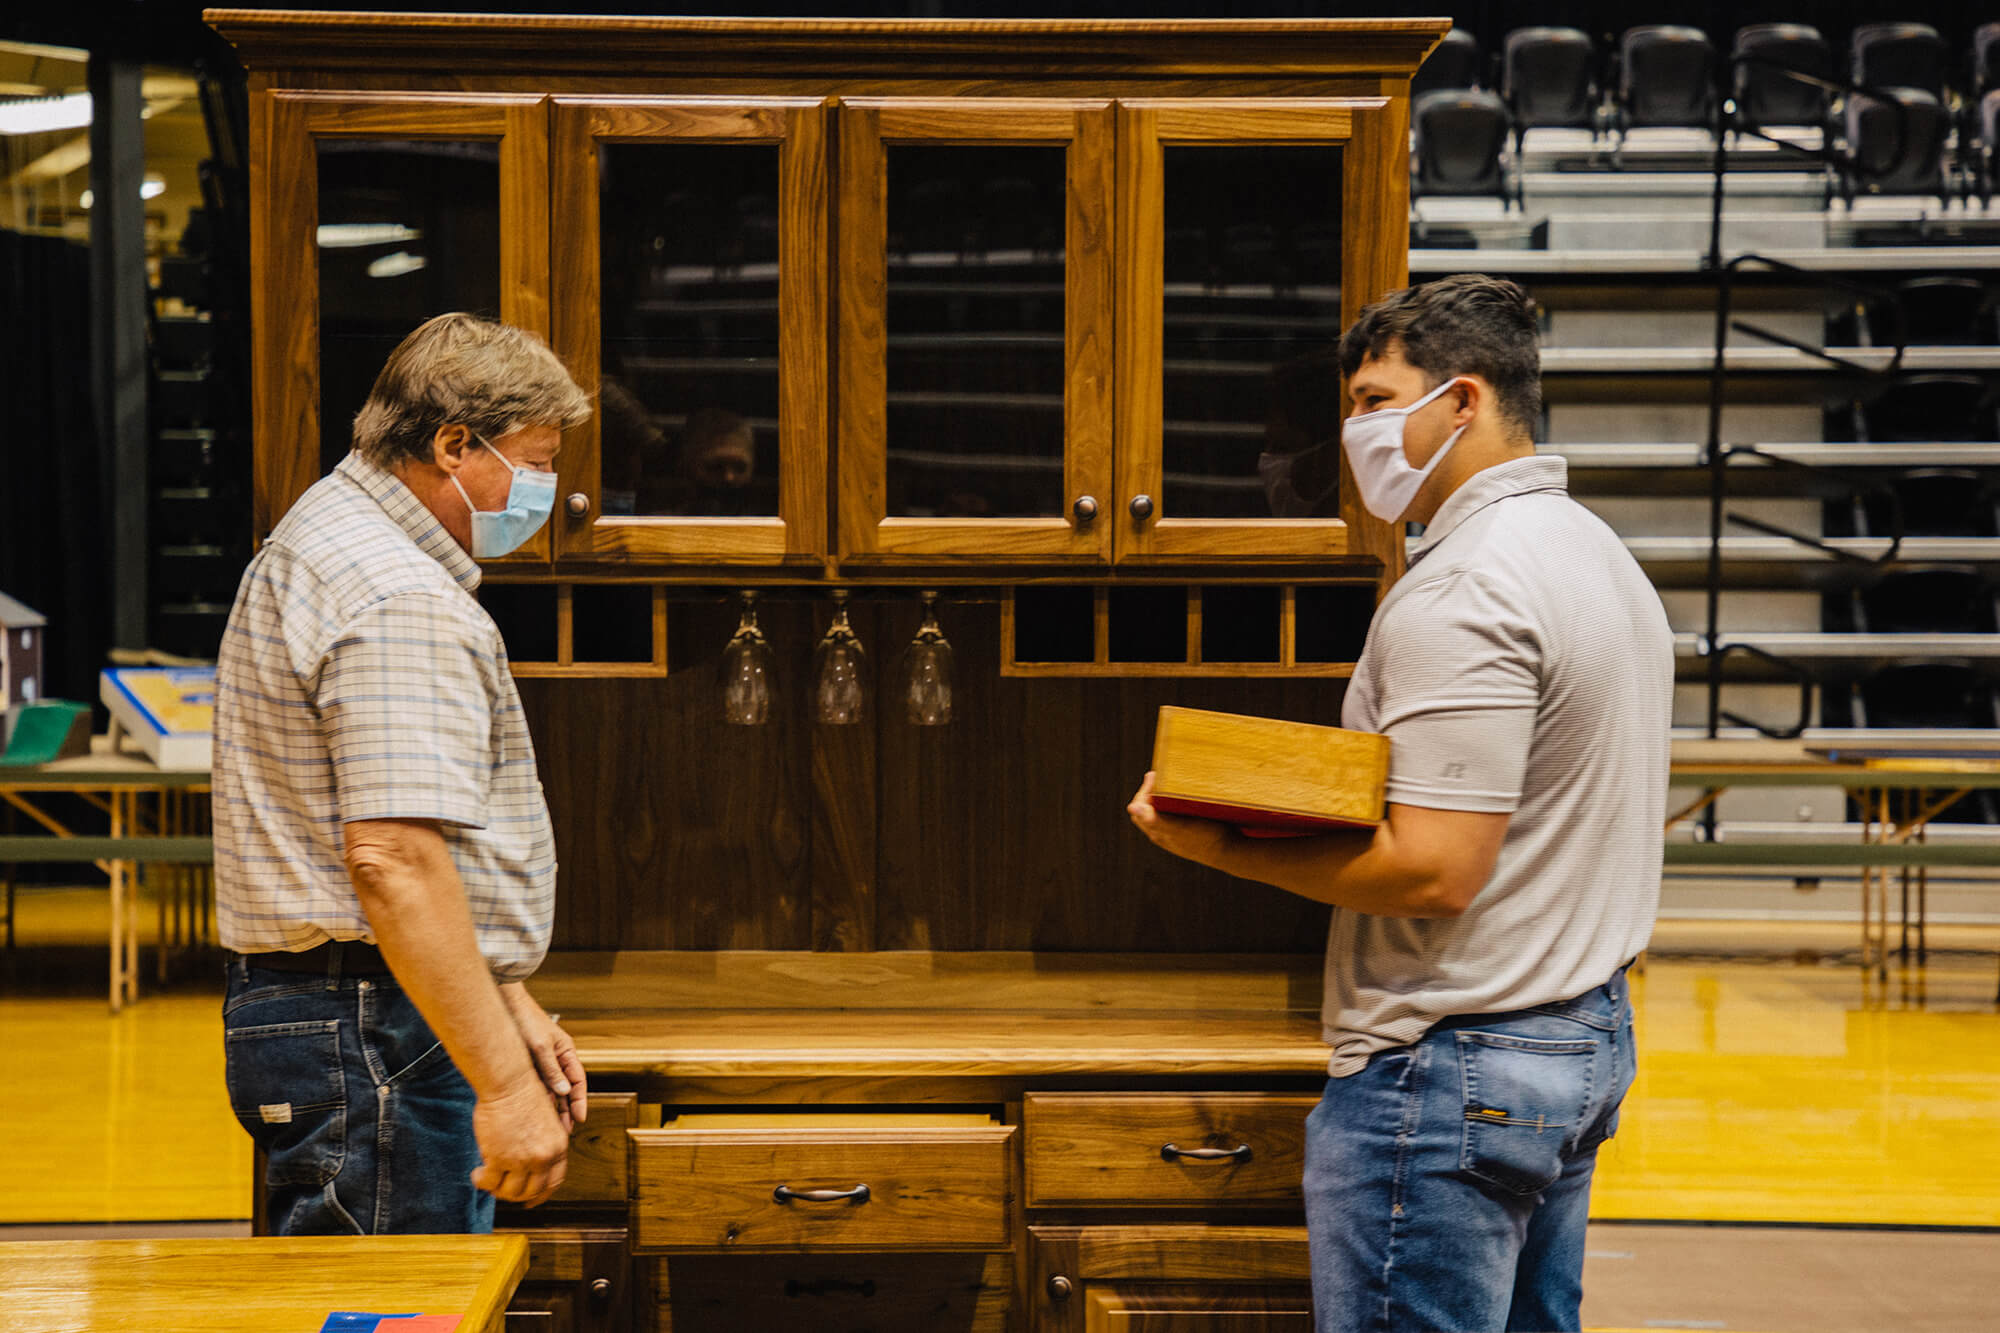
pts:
pixel 785 1194
pixel 1171 1153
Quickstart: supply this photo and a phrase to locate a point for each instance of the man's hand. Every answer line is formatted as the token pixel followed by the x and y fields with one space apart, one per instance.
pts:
pixel 554 1054
pixel 522 1147
pixel 1199 840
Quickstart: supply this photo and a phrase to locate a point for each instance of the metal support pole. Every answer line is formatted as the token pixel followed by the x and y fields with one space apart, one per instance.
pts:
pixel 118 294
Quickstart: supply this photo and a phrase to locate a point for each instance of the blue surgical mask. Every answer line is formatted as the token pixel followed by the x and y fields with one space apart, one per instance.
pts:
pixel 530 500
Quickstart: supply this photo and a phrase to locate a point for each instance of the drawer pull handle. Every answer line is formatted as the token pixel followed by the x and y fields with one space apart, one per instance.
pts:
pixel 1172 1153
pixel 785 1194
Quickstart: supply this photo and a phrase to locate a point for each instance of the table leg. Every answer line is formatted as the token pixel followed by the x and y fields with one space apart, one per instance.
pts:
pixel 1876 828
pixel 1867 799
pixel 168 884
pixel 8 871
pixel 163 891
pixel 1903 944
pixel 1923 898
pixel 117 906
pixel 184 883
pixel 1888 827
pixel 136 887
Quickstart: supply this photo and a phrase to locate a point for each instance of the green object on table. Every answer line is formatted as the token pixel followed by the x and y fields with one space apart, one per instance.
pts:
pixel 43 731
pixel 177 850
pixel 1879 855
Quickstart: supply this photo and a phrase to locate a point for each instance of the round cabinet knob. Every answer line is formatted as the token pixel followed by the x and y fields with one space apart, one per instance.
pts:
pixel 600 1292
pixel 1142 507
pixel 1085 508
pixel 1060 1288
pixel 578 504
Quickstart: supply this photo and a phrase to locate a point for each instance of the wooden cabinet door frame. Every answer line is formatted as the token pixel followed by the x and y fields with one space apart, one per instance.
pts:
pixel 284 247
pixel 1081 1278
pixel 1372 134
pixel 797 125
pixel 867 126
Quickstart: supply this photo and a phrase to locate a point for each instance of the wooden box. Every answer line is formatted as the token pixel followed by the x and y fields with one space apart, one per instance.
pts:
pixel 1266 776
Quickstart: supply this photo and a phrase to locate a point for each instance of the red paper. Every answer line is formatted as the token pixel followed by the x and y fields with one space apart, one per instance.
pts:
pixel 421 1323
pixel 1255 823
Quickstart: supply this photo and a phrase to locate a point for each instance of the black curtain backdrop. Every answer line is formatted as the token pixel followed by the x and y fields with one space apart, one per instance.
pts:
pixel 52 542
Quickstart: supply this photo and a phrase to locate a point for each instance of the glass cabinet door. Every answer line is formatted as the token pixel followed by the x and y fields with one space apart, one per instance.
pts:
pixel 384 211
pixel 1247 241
pixel 975 317
pixel 691 289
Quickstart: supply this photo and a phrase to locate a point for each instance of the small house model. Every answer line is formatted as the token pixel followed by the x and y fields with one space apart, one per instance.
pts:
pixel 20 654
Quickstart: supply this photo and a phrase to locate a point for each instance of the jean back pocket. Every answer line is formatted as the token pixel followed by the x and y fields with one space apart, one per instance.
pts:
pixel 287 1089
pixel 1525 1098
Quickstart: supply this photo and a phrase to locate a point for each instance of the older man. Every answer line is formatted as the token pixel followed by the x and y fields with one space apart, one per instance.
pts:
pixel 385 868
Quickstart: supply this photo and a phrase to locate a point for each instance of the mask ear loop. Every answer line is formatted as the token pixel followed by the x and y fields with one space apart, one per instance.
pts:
pixel 469 506
pixel 1424 473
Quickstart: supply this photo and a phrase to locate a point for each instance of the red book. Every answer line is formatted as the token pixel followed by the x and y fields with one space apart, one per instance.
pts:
pixel 1255 823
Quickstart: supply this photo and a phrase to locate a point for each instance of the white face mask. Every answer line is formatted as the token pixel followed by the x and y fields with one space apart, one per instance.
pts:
pixel 1382 471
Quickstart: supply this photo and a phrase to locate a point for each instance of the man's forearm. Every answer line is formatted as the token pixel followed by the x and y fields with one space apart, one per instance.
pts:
pixel 1358 870
pixel 416 905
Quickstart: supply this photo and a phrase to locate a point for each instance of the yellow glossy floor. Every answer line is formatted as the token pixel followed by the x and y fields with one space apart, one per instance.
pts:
pixel 1777 1083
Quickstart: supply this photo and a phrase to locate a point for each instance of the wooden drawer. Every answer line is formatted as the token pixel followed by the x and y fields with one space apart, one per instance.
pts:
pixel 883 1293
pixel 598 1151
pixel 578 1281
pixel 945 1188
pixel 1164 1150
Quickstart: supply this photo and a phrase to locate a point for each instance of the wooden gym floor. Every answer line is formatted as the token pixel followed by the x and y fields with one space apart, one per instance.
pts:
pixel 1778 1084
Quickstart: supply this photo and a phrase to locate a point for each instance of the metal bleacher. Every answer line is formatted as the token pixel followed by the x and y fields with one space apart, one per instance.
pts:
pixel 1625 233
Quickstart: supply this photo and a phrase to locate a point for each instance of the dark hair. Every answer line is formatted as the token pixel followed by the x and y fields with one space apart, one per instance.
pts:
pixel 1468 324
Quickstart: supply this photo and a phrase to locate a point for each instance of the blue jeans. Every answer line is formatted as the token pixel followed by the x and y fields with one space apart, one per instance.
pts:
pixel 1447 1184
pixel 365 1122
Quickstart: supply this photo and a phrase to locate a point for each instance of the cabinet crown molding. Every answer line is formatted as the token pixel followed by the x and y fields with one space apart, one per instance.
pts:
pixel 831 47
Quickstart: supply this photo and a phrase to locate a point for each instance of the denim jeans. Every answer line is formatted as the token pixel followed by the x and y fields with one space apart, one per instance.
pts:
pixel 1447 1184
pixel 365 1121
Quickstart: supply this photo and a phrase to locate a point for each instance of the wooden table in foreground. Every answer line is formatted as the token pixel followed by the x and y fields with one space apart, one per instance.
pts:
pixel 253 1285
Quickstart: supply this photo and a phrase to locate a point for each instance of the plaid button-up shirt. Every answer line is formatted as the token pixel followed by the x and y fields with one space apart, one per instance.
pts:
pixel 360 679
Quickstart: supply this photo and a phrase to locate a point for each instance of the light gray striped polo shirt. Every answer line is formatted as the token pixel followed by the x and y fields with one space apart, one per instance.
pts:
pixel 1523 665
pixel 360 679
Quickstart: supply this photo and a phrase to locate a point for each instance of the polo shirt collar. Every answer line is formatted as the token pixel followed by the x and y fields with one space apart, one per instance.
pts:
pixel 1516 476
pixel 400 503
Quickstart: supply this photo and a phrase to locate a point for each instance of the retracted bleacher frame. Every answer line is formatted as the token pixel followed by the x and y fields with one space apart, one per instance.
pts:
pixel 1798 514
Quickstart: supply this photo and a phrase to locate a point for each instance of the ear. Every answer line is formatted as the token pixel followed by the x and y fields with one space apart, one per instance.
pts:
pixel 1469 393
pixel 450 447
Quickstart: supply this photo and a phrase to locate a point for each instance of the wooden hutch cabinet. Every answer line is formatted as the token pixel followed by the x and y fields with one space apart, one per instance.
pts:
pixel 888 1026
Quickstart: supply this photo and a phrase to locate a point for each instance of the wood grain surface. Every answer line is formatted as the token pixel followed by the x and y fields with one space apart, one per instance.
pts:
pixel 662 1046
pixel 712 1189
pixel 1266 49
pixel 599 1153
pixel 1004 831
pixel 1183 1307
pixel 1375 211
pixel 869 129
pixel 1147 127
pixel 885 1293
pixel 579 983
pixel 1093 1149
pixel 253 1285
pixel 797 127
pixel 1259 763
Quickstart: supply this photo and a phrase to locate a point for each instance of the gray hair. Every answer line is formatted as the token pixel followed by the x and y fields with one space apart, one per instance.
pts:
pixel 460 369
